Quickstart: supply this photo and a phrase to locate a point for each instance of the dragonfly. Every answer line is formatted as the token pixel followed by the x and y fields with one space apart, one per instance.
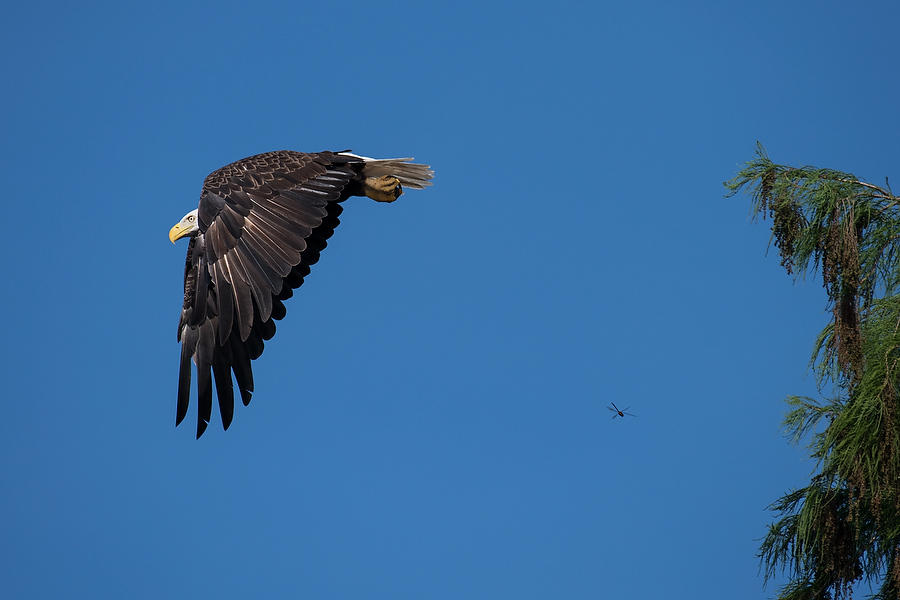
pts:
pixel 619 412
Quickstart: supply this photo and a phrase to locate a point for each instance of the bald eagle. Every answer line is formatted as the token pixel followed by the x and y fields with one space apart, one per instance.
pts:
pixel 261 223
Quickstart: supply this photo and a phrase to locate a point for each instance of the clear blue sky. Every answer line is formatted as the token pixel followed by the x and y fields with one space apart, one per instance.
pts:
pixel 430 421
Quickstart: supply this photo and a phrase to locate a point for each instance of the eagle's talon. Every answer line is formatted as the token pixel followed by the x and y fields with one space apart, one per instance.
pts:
pixel 386 188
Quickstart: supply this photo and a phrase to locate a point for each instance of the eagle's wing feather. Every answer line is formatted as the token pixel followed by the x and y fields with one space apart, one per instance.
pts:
pixel 263 221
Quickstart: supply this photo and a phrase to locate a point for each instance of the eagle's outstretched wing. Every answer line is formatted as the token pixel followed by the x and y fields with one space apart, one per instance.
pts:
pixel 263 222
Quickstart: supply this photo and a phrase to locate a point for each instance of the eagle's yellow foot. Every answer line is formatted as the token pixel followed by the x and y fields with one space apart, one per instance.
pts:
pixel 386 188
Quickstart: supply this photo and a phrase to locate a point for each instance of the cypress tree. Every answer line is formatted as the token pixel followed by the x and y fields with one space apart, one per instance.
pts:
pixel 843 528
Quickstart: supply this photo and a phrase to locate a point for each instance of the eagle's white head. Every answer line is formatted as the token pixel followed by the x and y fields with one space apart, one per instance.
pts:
pixel 185 227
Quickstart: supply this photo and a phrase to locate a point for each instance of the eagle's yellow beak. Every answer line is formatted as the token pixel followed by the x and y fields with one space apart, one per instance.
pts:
pixel 179 231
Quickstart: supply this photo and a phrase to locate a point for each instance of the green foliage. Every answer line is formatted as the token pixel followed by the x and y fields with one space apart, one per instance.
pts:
pixel 844 527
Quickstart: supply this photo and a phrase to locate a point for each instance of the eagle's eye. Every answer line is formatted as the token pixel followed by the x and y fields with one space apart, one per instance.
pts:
pixel 190 217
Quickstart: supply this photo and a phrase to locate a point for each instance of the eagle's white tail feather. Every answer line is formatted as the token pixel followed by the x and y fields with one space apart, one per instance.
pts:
pixel 410 174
